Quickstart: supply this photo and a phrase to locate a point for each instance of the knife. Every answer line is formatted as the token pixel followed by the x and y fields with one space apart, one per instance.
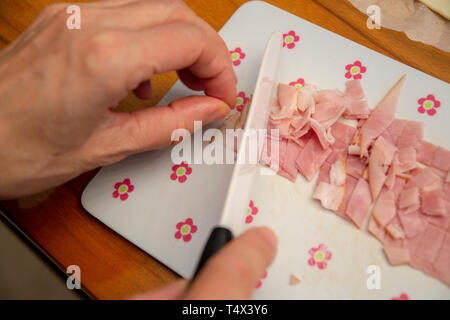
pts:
pixel 238 194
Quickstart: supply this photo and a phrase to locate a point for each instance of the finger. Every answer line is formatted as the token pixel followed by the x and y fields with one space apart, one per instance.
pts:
pixel 189 47
pixel 144 90
pixel 152 128
pixel 135 14
pixel 189 80
pixel 170 292
pixel 235 270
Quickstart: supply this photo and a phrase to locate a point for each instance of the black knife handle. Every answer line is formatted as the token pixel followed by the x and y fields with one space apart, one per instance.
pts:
pixel 218 238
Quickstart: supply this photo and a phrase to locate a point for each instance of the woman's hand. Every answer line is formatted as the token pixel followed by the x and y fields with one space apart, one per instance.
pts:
pixel 59 87
pixel 230 274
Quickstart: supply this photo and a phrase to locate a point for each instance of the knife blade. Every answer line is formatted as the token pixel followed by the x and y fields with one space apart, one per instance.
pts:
pixel 236 200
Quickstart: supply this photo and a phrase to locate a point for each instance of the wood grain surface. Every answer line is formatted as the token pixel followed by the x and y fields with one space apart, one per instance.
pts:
pixel 112 267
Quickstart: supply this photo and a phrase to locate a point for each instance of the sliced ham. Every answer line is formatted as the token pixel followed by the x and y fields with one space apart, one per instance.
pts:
pixel 392 173
pixel 397 256
pixel 394 229
pixel 289 158
pixel 413 224
pixel 338 172
pixel 384 210
pixel 324 136
pixel 395 130
pixel 287 96
pixel 380 158
pixel 425 152
pixel 441 159
pixel 305 100
pixel 406 159
pixel 359 203
pixel 429 246
pixel 331 196
pixel 356 109
pixel 381 117
pixel 328 112
pixel 442 261
pixel 355 166
pixel 411 136
pixel 311 158
pixel 408 197
pixel 433 203
pixel 342 132
pixel 354 90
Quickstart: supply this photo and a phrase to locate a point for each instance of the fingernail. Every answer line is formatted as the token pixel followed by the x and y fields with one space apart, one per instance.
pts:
pixel 220 112
pixel 269 235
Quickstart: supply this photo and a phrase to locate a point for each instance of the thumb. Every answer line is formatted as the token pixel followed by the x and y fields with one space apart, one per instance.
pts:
pixel 235 270
pixel 152 128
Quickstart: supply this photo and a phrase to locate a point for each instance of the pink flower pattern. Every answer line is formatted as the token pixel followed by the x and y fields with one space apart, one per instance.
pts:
pixel 355 70
pixel 180 172
pixel 240 101
pixel 299 83
pixel 319 256
pixel 122 189
pixel 259 284
pixel 428 104
pixel 236 56
pixel 402 296
pixel 251 211
pixel 289 39
pixel 185 229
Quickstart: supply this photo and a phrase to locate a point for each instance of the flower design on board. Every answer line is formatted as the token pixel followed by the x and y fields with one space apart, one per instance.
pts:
pixel 251 211
pixel 185 229
pixel 402 296
pixel 241 101
pixel 428 104
pixel 355 70
pixel 122 189
pixel 259 284
pixel 319 256
pixel 237 55
pixel 180 172
pixel 299 83
pixel 289 39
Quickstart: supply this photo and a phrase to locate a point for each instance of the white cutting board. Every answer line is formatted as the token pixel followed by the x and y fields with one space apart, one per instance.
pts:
pixel 153 210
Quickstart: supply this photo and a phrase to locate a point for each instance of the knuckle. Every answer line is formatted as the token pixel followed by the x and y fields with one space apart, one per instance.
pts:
pixel 101 49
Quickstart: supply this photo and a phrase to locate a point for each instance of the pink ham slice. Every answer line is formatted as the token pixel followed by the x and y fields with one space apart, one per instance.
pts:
pixel 288 163
pixel 396 255
pixel 342 132
pixel 384 210
pixel 433 203
pixel 350 184
pixel 355 166
pixel 394 229
pixel 381 117
pixel 356 109
pixel 331 196
pixel 380 158
pixel 413 224
pixel 425 179
pixel 327 113
pixel 324 136
pixel 442 262
pixel 441 159
pixel 359 203
pixel 425 152
pixel 311 158
pixel 395 130
pixel 327 95
pixel 354 90
pixel 406 159
pixel 408 197
pixel 392 173
pixel 287 96
pixel 305 100
pixel 428 248
pixel 411 136
pixel 338 172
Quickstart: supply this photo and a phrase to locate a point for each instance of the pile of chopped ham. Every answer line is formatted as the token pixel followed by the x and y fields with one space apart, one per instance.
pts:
pixel 364 157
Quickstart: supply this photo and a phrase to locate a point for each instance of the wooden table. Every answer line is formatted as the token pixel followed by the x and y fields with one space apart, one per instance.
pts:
pixel 112 267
